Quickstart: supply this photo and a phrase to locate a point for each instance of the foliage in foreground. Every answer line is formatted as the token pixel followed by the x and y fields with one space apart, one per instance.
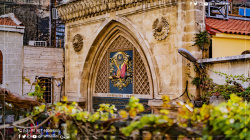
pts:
pixel 229 120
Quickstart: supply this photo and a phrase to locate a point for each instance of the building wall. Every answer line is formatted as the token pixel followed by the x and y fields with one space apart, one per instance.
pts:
pixel 231 65
pixel 34 14
pixel 11 46
pixel 229 44
pixel 43 62
pixel 169 67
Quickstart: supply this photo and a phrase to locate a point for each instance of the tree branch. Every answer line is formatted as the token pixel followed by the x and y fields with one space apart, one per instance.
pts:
pixel 17 100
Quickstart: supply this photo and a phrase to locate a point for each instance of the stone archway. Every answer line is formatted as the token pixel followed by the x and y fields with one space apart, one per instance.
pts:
pixel 113 32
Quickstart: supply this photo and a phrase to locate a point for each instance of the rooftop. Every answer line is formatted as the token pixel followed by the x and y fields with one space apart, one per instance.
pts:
pixel 10 20
pixel 230 26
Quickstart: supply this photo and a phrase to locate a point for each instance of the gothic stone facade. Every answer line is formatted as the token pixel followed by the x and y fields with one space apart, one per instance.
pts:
pixel 144 35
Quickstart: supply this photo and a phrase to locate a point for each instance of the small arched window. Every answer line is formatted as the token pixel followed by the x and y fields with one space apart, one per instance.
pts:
pixel 1 67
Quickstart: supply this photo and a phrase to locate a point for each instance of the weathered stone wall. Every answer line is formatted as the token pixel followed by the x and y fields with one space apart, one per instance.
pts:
pixel 43 62
pixel 167 66
pixel 11 47
pixel 235 65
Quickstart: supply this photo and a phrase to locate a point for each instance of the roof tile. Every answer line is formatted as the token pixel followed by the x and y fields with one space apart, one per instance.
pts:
pixel 230 26
pixel 10 20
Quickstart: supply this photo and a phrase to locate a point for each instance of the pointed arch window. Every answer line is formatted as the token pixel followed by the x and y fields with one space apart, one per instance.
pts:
pixel 112 78
pixel 122 73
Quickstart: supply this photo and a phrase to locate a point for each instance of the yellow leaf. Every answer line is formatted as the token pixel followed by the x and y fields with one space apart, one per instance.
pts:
pixel 15 129
pixel 55 119
pixel 42 107
pixel 165 100
pixel 27 80
pixel 65 99
pixel 123 114
pixel 164 111
pixel 132 113
pixel 74 104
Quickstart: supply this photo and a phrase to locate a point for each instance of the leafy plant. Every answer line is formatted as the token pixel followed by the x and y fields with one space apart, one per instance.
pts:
pixel 201 39
pixel 232 79
pixel 209 88
pixel 149 120
pixel 38 91
pixel 203 82
pixel 229 120
pixel 232 86
pixel 196 81
pixel 134 107
pixel 76 120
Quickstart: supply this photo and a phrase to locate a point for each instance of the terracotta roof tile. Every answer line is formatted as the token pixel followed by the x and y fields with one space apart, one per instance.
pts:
pixel 7 21
pixel 10 20
pixel 230 26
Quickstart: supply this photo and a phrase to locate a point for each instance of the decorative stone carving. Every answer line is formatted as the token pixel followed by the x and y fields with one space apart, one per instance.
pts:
pixel 77 42
pixel 160 28
pixel 76 10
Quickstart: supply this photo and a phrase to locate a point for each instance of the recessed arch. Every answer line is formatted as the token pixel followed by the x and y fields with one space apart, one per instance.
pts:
pixel 107 33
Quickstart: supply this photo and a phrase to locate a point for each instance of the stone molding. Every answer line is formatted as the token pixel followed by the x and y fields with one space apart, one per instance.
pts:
pixel 225 59
pixel 82 9
pixel 18 29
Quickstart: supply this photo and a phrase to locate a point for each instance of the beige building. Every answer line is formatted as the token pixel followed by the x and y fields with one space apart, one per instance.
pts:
pixel 18 62
pixel 45 64
pixel 11 44
pixel 115 50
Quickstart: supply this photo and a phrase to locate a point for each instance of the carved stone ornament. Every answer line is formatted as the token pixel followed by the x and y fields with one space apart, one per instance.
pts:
pixel 77 42
pixel 160 28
